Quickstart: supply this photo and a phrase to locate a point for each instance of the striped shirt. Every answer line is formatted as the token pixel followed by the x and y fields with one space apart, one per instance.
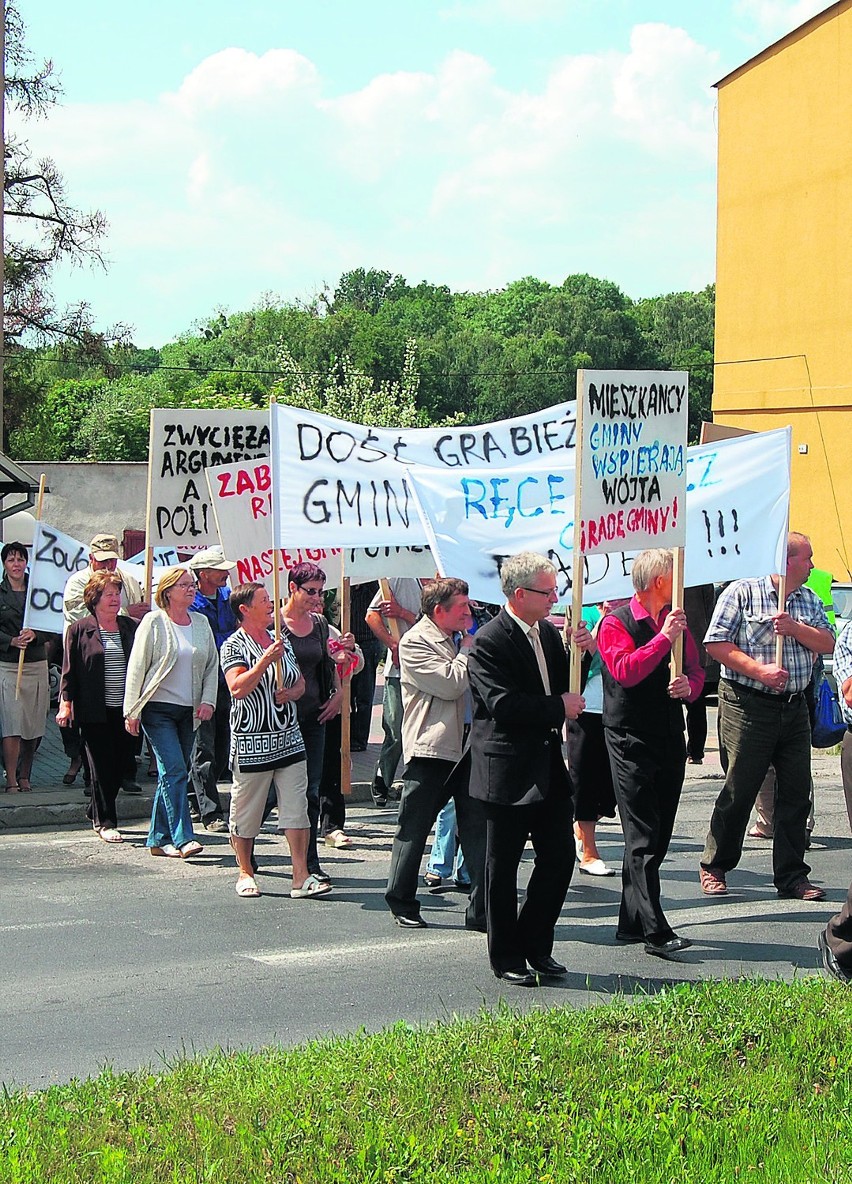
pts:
pixel 843 668
pixel 263 735
pixel 744 616
pixel 115 667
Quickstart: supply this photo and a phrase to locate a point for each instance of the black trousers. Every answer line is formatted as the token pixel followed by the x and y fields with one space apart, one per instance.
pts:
pixel 428 784
pixel 513 935
pixel 838 935
pixel 109 747
pixel 210 755
pixel 647 773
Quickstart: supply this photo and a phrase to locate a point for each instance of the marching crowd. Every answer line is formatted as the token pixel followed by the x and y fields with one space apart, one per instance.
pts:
pixel 478 706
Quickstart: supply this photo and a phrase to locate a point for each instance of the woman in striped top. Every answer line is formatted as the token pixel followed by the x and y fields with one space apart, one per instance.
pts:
pixel 91 693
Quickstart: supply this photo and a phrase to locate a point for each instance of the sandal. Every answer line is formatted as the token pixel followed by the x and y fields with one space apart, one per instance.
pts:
pixel 73 769
pixel 431 880
pixel 168 850
pixel 712 882
pixel 311 887
pixel 189 849
pixel 247 887
pixel 24 785
pixel 336 838
pixel 109 834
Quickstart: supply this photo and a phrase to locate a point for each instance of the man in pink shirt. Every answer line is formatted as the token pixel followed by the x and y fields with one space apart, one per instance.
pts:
pixel 644 727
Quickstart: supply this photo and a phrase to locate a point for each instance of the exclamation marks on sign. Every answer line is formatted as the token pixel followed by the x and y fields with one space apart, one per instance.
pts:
pixel 722 526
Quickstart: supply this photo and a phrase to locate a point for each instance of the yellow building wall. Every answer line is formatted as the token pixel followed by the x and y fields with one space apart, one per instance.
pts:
pixel 784 267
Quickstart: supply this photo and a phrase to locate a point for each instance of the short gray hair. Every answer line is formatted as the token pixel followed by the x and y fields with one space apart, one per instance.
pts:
pixel 648 565
pixel 520 570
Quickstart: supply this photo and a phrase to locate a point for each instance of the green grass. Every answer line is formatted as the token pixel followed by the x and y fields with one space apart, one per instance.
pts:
pixel 742 1081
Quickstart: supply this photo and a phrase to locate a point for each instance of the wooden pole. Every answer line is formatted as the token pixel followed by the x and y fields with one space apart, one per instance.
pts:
pixel 39 504
pixel 149 534
pixel 276 574
pixel 677 602
pixel 391 622
pixel 782 604
pixel 346 706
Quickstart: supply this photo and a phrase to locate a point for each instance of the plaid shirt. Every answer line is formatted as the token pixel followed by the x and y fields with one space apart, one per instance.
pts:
pixel 743 615
pixel 843 668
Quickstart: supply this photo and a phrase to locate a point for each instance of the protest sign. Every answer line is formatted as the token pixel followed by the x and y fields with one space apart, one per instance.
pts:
pixel 162 557
pixel 340 484
pixel 737 499
pixel 183 443
pixel 631 484
pixel 241 498
pixel 53 560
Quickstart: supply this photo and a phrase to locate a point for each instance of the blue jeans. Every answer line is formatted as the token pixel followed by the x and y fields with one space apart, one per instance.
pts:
pixel 446 859
pixel 170 733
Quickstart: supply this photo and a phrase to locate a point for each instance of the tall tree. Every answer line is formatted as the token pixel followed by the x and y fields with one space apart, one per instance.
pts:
pixel 43 228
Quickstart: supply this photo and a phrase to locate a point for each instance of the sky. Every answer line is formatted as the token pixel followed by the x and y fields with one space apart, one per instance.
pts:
pixel 262 149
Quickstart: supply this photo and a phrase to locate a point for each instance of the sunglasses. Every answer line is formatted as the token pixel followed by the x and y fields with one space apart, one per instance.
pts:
pixel 312 591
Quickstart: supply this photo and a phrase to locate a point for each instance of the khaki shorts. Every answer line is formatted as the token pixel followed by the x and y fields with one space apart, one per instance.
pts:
pixel 250 790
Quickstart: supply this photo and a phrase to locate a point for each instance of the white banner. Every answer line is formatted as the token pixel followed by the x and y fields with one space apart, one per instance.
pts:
pixel 343 485
pixel 183 444
pixel 53 560
pixel 737 503
pixel 241 498
pixel 633 425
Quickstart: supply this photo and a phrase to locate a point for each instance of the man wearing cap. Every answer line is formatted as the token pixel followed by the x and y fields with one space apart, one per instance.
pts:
pixel 213 736
pixel 103 556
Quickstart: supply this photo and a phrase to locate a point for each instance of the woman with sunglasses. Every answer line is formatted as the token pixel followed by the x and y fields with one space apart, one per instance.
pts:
pixel 172 680
pixel 309 634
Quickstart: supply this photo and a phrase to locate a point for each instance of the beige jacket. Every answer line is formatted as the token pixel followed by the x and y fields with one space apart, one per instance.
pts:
pixel 73 605
pixel 434 686
pixel 154 653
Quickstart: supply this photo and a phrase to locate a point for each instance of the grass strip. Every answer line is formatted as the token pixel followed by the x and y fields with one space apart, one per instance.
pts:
pixel 731 1081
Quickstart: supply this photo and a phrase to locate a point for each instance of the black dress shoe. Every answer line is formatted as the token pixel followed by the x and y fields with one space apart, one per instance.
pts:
pixel 667 949
pixel 628 937
pixel 518 978
pixel 829 961
pixel 131 786
pixel 409 922
pixel 547 965
pixel 476 926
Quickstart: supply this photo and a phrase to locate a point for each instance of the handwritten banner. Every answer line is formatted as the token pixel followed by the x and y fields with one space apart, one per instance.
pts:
pixel 737 502
pixel 340 484
pixel 241 497
pixel 183 444
pixel 633 427
pixel 53 560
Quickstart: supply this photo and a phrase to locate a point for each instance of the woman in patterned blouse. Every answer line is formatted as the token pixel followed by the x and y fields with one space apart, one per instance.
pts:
pixel 267 749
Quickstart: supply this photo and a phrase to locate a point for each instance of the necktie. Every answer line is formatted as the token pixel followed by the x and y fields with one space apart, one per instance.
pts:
pixel 535 641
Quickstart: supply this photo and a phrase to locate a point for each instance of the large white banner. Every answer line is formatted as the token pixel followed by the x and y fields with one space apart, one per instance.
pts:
pixel 339 484
pixel 737 504
pixel 633 426
pixel 183 444
pixel 53 560
pixel 241 497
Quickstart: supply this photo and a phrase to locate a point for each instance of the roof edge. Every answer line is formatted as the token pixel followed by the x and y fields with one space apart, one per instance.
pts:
pixel 796 34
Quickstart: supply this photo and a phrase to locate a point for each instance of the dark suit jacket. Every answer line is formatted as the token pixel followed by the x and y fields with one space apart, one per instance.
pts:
pixel 514 721
pixel 83 668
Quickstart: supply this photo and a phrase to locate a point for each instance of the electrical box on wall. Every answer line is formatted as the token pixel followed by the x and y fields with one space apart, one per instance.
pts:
pixel 803 450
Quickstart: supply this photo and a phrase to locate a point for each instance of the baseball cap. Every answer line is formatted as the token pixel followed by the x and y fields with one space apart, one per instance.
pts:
pixel 212 558
pixel 104 546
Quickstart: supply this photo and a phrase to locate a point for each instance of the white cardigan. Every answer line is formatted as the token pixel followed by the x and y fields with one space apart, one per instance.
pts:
pixel 154 653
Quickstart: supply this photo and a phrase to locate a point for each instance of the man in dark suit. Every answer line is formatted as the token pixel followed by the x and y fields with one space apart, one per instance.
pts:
pixel 518 674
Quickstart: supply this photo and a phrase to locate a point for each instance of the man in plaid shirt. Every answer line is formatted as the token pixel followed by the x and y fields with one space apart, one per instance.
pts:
pixel 763 718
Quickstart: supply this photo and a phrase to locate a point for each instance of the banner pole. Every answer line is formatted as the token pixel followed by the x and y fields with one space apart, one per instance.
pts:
pixel 149 544
pixel 346 706
pixel 276 560
pixel 677 602
pixel 577 561
pixel 39 503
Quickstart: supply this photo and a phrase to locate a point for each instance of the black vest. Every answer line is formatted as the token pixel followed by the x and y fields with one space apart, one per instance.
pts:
pixel 645 709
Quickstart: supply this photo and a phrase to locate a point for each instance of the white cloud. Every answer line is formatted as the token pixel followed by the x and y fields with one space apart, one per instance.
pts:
pixel 250 176
pixel 774 18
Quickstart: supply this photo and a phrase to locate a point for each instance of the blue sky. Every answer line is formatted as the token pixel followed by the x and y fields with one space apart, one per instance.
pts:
pixel 266 147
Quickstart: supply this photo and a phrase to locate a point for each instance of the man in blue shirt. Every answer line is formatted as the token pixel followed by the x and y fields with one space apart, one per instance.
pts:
pixel 213 737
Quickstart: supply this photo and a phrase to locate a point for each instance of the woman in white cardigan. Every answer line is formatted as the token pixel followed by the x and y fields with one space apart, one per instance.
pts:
pixel 172 679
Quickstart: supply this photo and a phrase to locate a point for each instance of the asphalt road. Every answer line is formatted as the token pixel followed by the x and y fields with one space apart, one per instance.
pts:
pixel 112 957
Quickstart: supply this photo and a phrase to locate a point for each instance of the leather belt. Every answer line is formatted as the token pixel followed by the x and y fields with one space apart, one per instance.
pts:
pixel 786 697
